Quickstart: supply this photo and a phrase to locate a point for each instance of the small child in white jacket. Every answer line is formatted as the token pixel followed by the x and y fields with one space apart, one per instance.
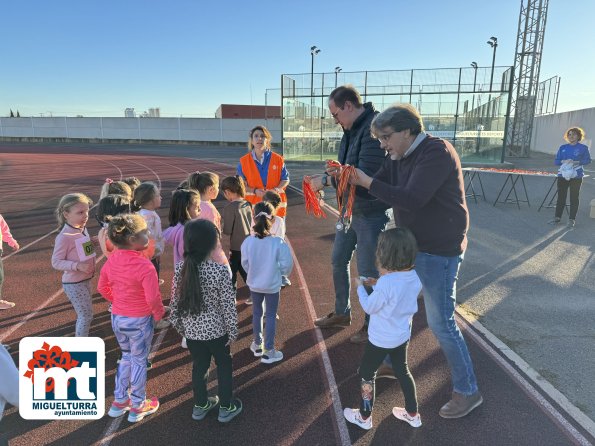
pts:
pixel 391 307
pixel 265 259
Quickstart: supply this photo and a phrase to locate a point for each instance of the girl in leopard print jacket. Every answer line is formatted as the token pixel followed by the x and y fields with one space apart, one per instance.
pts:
pixel 203 309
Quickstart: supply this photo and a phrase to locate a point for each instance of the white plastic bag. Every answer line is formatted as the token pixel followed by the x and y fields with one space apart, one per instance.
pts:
pixel 567 171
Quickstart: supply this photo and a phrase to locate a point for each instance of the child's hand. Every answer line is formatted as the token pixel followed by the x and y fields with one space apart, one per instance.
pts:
pixel 370 281
pixel 360 280
pixel 95 241
pixel 15 246
pixel 85 267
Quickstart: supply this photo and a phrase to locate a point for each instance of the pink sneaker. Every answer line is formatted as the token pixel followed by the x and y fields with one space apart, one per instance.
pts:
pixel 119 409
pixel 147 408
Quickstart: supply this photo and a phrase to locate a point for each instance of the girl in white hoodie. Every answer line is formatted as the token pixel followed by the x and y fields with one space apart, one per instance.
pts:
pixel 265 258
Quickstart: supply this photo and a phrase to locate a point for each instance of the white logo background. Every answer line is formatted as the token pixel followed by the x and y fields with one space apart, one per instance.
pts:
pixel 88 405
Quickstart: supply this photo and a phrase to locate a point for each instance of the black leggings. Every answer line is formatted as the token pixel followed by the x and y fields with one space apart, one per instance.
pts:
pixel 373 357
pixel 201 352
pixel 575 187
pixel 235 263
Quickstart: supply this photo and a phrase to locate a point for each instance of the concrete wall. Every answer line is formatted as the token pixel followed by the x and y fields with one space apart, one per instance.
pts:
pixel 140 129
pixel 548 130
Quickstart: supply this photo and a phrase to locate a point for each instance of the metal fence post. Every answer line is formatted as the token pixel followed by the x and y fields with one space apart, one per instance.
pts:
pixel 66 126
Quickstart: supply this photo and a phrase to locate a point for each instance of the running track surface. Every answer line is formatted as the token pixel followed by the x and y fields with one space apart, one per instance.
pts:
pixel 290 402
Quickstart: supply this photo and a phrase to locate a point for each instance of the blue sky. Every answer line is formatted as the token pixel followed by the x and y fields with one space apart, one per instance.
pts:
pixel 96 58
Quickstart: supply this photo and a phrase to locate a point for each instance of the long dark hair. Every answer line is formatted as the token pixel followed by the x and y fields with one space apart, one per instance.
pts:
pixel 181 200
pixel 200 239
pixel 262 223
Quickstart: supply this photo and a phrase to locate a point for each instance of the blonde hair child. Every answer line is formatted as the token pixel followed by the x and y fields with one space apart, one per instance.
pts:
pixel 74 254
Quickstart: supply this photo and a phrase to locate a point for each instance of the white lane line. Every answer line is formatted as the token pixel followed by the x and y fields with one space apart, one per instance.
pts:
pixel 28 245
pixel 495 345
pixel 330 376
pixel 34 313
pixel 56 230
pixel 110 432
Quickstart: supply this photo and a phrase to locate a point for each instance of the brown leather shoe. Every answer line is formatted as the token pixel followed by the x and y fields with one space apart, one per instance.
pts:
pixel 385 371
pixel 460 405
pixel 361 337
pixel 333 320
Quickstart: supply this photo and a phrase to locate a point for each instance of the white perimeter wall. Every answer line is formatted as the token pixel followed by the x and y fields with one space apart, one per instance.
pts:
pixel 548 130
pixel 159 129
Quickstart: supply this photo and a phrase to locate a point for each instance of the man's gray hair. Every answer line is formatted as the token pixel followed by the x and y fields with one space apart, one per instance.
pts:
pixel 399 117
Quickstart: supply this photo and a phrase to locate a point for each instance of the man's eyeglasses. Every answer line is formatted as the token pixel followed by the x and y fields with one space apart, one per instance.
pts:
pixel 385 138
pixel 334 115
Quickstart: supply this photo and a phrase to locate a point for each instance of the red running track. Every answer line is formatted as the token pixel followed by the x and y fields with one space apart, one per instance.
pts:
pixel 291 402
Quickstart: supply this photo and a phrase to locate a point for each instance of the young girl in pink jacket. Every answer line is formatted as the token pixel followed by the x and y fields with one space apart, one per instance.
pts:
pixel 129 281
pixel 74 254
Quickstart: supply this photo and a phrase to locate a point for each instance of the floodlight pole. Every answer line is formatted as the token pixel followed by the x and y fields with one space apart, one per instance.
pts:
pixel 337 70
pixel 474 65
pixel 493 42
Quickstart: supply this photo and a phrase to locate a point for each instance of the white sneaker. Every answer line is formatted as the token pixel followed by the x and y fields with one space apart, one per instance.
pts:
pixel 403 415
pixel 256 349
pixel 354 416
pixel 184 343
pixel 270 356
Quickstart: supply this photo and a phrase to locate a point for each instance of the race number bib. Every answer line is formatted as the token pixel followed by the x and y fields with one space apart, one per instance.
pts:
pixel 84 248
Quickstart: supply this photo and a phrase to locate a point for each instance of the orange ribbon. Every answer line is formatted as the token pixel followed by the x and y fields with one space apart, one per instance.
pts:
pixel 46 358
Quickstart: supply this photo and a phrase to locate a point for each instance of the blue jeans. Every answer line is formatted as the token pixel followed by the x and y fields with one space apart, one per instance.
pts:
pixel 438 276
pixel 363 234
pixel 271 302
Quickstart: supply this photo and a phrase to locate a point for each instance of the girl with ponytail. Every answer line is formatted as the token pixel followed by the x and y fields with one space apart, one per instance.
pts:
pixel 203 310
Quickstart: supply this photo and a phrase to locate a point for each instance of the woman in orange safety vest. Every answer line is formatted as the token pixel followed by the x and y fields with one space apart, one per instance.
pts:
pixel 263 170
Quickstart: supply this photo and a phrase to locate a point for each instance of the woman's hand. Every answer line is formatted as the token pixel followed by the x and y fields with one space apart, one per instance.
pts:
pixel 259 192
pixel 316 182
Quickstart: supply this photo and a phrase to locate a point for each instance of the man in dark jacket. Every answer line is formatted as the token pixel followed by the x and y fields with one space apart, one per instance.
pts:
pixel 359 149
pixel 421 179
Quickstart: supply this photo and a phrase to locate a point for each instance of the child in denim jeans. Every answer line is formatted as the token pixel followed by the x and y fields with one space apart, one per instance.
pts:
pixel 266 259
pixel 129 281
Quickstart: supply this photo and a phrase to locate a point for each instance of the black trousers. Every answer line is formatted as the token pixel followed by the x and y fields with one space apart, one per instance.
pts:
pixel 235 263
pixel 202 352
pixel 373 357
pixel 575 187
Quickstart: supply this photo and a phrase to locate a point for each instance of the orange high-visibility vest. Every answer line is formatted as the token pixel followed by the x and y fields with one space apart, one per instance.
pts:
pixel 254 180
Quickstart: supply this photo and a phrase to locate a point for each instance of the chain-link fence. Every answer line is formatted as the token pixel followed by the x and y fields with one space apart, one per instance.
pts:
pixel 467 106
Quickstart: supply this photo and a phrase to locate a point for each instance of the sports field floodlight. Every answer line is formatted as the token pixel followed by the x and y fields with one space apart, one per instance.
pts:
pixel 314 50
pixel 493 42
pixel 474 65
pixel 337 71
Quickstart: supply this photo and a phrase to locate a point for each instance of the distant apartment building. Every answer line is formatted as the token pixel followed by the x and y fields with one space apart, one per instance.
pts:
pixel 129 113
pixel 154 113
pixel 236 111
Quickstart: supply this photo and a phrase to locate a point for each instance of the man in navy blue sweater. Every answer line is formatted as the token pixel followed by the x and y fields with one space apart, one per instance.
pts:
pixel 359 149
pixel 421 179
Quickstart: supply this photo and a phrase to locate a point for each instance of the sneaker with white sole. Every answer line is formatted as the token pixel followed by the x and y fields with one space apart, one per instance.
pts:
pixel 5 305
pixel 149 406
pixel 184 343
pixel 226 414
pixel 257 349
pixel 270 356
pixel 403 415
pixel 354 416
pixel 119 408
pixel 199 413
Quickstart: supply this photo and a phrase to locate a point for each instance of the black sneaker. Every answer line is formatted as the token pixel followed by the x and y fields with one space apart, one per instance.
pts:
pixel 226 414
